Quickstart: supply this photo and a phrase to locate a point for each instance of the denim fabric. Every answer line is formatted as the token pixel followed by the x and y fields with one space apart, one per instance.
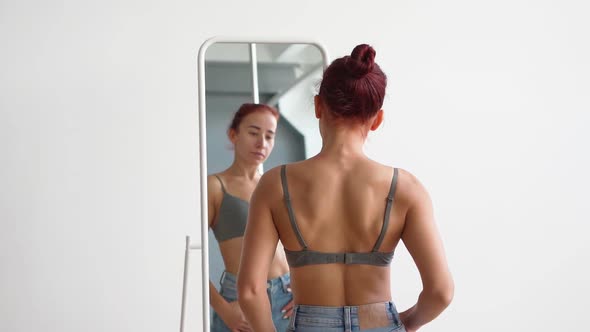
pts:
pixel 276 290
pixel 307 318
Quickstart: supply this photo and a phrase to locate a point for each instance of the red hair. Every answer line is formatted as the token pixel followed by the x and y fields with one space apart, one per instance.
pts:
pixel 249 108
pixel 354 86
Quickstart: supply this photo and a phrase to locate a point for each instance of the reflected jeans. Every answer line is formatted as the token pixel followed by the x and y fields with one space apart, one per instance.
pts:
pixel 276 290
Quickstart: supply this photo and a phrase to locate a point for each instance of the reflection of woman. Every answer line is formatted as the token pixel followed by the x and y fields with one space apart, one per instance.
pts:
pixel 340 216
pixel 252 135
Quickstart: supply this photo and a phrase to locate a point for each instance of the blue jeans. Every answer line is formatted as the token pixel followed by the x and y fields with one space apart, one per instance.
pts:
pixel 383 317
pixel 277 292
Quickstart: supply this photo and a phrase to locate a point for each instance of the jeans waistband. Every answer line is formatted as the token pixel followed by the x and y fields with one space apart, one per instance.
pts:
pixel 353 309
pixel 349 316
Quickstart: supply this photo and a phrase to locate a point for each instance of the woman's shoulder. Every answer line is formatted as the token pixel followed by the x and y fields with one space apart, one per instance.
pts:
pixel 214 186
pixel 402 173
pixel 214 178
pixel 407 186
pixel 292 167
pixel 409 189
pixel 269 185
pixel 271 176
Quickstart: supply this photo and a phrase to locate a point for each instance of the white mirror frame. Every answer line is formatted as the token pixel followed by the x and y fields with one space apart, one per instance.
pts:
pixel 204 246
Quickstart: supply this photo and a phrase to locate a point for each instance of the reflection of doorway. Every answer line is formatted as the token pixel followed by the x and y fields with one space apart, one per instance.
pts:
pixel 229 86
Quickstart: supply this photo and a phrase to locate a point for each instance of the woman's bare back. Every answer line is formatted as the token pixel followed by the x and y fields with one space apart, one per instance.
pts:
pixel 340 207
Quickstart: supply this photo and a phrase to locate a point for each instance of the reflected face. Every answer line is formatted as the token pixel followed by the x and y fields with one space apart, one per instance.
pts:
pixel 255 138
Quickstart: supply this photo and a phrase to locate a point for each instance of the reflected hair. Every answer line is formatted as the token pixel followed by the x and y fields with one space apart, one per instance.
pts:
pixel 249 108
pixel 353 86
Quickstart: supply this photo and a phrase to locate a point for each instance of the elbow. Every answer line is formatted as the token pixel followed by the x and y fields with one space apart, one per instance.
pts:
pixel 441 294
pixel 444 294
pixel 247 292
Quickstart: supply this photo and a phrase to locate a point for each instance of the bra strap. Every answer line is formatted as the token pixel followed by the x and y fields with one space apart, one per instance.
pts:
pixel 387 210
pixel 290 208
pixel 222 186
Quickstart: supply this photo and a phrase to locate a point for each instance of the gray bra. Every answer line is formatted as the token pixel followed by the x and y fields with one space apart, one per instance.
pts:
pixel 232 216
pixel 310 257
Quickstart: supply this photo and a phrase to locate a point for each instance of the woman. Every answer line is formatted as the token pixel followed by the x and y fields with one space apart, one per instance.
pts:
pixel 339 216
pixel 252 133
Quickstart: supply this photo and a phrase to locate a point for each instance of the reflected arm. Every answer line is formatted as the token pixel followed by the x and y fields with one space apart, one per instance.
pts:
pixel 213 189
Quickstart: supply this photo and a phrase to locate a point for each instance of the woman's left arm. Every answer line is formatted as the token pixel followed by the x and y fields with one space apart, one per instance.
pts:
pixel 258 250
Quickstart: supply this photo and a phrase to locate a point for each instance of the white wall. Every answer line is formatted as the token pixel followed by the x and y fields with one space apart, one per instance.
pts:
pixel 487 105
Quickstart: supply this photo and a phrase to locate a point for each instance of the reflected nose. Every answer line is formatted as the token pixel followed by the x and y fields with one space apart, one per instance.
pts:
pixel 260 142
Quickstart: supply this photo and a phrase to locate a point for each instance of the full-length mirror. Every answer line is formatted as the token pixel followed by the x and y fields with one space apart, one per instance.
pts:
pixel 243 76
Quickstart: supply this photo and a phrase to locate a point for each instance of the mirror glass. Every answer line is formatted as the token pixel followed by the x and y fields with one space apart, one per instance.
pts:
pixel 288 76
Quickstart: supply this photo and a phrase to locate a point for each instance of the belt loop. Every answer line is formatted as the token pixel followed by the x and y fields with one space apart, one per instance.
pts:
pixel 293 318
pixel 392 307
pixel 286 283
pixel 347 320
pixel 222 278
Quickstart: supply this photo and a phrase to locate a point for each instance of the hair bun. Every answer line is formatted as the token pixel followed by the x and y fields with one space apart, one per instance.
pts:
pixel 353 86
pixel 361 60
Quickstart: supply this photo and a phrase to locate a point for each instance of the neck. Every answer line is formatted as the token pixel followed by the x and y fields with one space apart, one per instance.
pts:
pixel 343 141
pixel 242 169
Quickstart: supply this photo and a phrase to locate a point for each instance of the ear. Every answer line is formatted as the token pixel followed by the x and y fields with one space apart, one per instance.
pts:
pixel 233 135
pixel 377 120
pixel 317 101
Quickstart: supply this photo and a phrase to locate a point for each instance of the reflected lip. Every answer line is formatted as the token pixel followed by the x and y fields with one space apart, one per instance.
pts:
pixel 259 154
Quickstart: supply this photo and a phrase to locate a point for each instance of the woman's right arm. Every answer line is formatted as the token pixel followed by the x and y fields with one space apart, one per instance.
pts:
pixel 229 312
pixel 423 242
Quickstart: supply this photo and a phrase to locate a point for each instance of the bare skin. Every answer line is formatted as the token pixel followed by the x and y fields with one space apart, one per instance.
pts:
pixel 338 199
pixel 253 142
